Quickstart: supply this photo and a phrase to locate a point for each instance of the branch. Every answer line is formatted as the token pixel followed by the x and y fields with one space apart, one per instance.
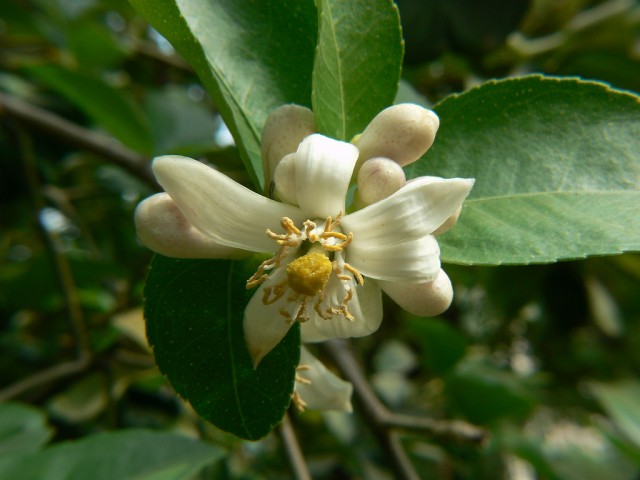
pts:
pixel 387 424
pixel 54 125
pixel 292 447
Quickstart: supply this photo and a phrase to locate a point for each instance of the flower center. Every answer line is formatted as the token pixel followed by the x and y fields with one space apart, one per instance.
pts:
pixel 309 274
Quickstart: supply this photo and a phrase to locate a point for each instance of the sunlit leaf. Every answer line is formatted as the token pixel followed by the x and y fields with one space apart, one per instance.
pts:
pixel 128 454
pixel 23 429
pixel 357 65
pixel 251 56
pixel 556 168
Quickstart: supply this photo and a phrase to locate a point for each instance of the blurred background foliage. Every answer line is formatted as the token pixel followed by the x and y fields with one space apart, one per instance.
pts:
pixel 545 357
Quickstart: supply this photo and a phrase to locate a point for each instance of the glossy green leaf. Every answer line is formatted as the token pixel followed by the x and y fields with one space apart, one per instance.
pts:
pixel 251 56
pixel 110 108
pixel 556 163
pixel 23 429
pixel 194 311
pixel 622 402
pixel 358 62
pixel 128 454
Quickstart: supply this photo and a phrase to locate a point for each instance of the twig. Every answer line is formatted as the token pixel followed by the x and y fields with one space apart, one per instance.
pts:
pixel 44 377
pixel 383 418
pixel 67 286
pixel 387 425
pixel 292 447
pixel 50 123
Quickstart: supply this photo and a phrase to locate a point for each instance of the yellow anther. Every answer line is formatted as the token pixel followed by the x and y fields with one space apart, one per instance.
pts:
pixel 309 274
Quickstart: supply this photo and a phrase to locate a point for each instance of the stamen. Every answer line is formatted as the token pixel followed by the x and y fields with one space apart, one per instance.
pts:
pixel 289 226
pixel 298 401
pixel 354 271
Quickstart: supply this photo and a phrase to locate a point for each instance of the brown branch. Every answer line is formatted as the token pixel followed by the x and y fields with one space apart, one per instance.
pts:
pixel 388 425
pixel 44 377
pixel 54 125
pixel 292 448
pixel 62 269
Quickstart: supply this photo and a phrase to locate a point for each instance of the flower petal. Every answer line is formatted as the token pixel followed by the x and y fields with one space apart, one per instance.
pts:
pixel 323 171
pixel 264 326
pixel 421 299
pixel 326 391
pixel 416 210
pixel 365 306
pixel 163 228
pixel 415 261
pixel 219 207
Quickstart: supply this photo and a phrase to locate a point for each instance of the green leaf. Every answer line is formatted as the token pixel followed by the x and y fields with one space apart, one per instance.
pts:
pixel 620 401
pixel 442 345
pixel 556 168
pixel 358 62
pixel 110 108
pixel 194 311
pixel 23 429
pixel 484 393
pixel 251 56
pixel 127 454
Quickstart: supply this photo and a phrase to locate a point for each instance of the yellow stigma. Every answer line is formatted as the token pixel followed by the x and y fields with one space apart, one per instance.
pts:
pixel 309 274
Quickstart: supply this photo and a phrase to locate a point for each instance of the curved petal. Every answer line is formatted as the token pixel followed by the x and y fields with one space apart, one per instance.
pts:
pixel 163 228
pixel 323 171
pixel 263 325
pixel 416 210
pixel 325 391
pixel 415 261
pixel 421 299
pixel 365 306
pixel 219 207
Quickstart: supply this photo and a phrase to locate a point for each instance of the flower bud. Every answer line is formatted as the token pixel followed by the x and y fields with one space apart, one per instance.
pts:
pixel 377 179
pixel 401 132
pixel 283 131
pixel 421 299
pixel 448 223
pixel 163 228
pixel 284 178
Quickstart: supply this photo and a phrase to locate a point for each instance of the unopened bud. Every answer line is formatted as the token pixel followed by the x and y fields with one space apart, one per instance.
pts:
pixel 421 299
pixel 163 228
pixel 448 223
pixel 283 131
pixel 401 132
pixel 377 179
pixel 284 178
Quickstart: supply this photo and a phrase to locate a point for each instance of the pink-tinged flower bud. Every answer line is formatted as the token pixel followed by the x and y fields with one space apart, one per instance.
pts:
pixel 283 131
pixel 421 299
pixel 449 222
pixel 284 178
pixel 401 132
pixel 163 228
pixel 377 179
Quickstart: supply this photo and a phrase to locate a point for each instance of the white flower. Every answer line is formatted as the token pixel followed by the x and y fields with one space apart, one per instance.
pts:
pixel 317 388
pixel 326 266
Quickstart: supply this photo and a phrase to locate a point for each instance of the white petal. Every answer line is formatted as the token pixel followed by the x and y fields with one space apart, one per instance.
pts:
pixel 421 299
pixel 323 171
pixel 416 210
pixel 326 391
pixel 163 228
pixel 264 326
pixel 365 306
pixel 415 261
pixel 219 207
